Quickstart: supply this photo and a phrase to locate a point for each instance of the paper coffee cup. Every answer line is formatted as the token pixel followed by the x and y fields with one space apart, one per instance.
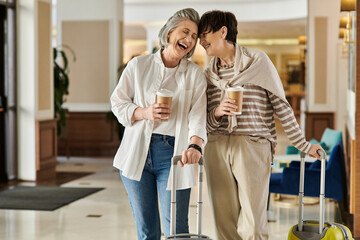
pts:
pixel 236 93
pixel 164 96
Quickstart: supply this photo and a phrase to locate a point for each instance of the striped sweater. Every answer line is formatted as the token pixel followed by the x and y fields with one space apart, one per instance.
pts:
pixel 257 118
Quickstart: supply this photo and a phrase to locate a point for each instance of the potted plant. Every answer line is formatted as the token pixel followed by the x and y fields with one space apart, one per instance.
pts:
pixel 61 84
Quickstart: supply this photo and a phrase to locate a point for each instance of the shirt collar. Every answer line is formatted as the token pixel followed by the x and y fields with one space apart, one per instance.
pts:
pixel 182 65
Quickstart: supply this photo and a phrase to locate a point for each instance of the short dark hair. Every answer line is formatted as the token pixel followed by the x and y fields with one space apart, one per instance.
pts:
pixel 212 21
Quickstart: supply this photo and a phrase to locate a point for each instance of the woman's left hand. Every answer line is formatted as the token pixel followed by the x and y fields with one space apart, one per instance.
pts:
pixel 190 156
pixel 313 151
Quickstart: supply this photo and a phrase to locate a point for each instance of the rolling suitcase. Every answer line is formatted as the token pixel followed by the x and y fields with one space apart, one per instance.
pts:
pixel 316 230
pixel 186 236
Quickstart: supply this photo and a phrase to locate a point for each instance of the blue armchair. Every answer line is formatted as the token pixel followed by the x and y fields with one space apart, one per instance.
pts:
pixel 287 182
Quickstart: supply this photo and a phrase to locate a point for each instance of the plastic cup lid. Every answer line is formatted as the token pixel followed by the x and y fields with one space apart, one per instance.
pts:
pixel 164 93
pixel 235 89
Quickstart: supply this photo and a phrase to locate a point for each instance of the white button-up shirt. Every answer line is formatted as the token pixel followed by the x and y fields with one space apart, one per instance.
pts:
pixel 137 87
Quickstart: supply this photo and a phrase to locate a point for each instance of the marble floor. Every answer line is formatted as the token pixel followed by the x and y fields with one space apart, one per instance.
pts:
pixel 107 214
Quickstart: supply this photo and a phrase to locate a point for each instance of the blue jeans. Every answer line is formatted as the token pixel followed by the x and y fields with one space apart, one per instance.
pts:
pixel 143 194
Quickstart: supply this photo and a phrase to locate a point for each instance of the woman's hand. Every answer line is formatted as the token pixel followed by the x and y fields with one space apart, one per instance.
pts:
pixel 190 156
pixel 155 112
pixel 313 151
pixel 226 107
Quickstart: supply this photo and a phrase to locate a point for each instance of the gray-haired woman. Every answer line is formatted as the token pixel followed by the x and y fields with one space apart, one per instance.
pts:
pixel 153 134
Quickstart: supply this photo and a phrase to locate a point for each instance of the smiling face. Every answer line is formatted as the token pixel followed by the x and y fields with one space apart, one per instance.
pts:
pixel 182 39
pixel 212 42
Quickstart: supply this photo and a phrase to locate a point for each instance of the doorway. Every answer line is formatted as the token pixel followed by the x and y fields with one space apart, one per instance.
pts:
pixel 8 134
pixel 2 95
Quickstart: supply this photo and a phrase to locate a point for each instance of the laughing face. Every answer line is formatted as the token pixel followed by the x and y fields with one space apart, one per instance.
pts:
pixel 212 42
pixel 182 39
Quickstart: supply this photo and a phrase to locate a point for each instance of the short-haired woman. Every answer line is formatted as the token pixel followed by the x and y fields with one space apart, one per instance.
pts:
pixel 240 147
pixel 153 134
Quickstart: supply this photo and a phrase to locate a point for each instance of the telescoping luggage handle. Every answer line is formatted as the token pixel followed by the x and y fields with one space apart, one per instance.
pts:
pixel 175 160
pixel 322 191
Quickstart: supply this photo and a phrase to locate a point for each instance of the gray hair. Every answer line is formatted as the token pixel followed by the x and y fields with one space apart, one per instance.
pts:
pixel 173 22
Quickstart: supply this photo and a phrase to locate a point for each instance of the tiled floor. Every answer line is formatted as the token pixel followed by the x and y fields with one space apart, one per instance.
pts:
pixel 107 215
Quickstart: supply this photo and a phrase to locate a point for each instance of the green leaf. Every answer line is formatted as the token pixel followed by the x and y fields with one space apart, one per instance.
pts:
pixel 61 84
pixel 65 60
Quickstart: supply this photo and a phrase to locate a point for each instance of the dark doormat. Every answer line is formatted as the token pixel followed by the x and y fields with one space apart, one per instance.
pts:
pixel 45 198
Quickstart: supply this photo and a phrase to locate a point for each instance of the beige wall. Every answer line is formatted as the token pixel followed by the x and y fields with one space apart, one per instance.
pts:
pixel 121 40
pixel 133 47
pixel 320 59
pixel 44 56
pixel 89 75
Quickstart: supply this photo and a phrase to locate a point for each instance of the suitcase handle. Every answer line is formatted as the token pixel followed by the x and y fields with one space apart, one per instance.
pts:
pixel 322 190
pixel 175 160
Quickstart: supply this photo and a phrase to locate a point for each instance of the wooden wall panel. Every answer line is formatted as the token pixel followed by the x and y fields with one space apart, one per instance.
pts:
pixel 357 131
pixel 349 154
pixel 316 123
pixel 352 178
pixel 89 134
pixel 46 149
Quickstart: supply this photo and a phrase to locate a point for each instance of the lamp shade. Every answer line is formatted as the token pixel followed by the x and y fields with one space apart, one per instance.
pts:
pixel 302 40
pixel 348 5
pixel 344 21
pixel 341 33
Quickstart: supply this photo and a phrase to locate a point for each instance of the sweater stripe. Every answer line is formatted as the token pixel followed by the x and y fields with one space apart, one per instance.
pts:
pixel 258 114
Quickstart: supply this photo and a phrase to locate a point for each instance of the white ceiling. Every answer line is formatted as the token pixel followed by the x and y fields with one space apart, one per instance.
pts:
pixel 195 1
pixel 248 30
pixel 275 19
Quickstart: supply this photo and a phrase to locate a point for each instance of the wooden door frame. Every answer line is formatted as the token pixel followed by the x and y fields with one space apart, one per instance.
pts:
pixel 357 129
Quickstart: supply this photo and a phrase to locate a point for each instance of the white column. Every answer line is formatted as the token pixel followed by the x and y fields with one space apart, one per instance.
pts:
pixel 332 16
pixel 342 88
pixel 29 88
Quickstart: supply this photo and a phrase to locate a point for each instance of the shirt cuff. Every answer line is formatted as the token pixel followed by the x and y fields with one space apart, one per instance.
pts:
pixel 212 120
pixel 125 115
pixel 200 132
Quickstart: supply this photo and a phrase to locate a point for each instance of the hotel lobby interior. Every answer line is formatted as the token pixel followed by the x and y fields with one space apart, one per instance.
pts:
pixel 312 44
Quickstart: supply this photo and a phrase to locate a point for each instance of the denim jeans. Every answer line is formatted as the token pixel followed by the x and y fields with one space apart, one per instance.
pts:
pixel 143 194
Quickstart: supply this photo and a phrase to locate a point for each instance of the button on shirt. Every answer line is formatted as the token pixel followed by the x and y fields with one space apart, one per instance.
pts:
pixel 137 87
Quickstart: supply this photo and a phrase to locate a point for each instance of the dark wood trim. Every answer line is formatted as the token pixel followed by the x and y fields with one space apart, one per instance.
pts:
pixel 3 105
pixel 88 134
pixel 316 123
pixel 357 129
pixel 347 154
pixel 46 150
pixel 8 4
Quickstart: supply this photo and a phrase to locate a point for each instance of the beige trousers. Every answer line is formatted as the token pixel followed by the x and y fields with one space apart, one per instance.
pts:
pixel 238 172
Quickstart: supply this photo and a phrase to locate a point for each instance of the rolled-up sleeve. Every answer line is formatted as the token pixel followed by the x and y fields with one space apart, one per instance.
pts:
pixel 122 98
pixel 197 114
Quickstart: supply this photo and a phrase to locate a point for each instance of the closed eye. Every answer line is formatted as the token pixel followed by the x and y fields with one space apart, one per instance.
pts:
pixel 204 34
